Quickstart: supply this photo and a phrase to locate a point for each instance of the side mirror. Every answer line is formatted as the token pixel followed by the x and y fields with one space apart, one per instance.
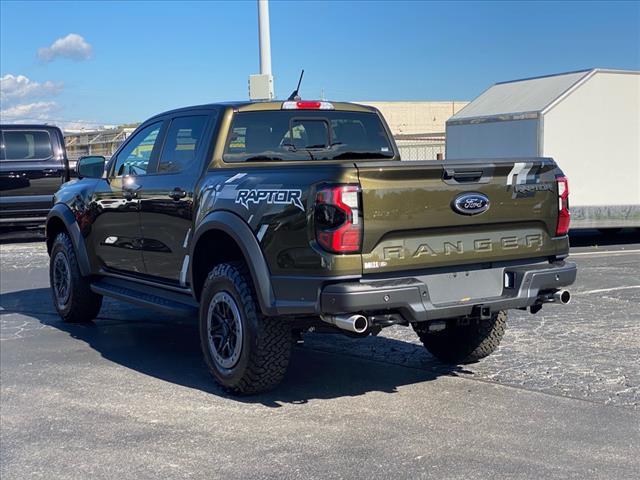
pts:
pixel 90 166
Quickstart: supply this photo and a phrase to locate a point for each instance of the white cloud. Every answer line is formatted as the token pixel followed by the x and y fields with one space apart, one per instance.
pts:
pixel 16 88
pixel 72 46
pixel 28 112
pixel 23 100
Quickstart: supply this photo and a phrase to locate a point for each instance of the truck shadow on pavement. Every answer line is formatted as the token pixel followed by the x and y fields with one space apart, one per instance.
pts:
pixel 593 238
pixel 169 349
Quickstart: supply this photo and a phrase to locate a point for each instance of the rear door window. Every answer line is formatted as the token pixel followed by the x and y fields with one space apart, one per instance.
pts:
pixel 295 135
pixel 183 140
pixel 26 145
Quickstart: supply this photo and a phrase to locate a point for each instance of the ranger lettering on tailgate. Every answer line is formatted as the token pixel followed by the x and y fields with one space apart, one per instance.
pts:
pixel 480 245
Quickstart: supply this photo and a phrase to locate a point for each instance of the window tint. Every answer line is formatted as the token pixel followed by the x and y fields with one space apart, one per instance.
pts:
pixel 27 145
pixel 294 135
pixel 181 144
pixel 134 158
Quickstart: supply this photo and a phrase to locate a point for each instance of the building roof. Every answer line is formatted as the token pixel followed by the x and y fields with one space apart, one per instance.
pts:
pixel 525 98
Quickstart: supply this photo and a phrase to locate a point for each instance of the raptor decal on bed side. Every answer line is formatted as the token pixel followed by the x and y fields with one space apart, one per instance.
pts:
pixel 274 197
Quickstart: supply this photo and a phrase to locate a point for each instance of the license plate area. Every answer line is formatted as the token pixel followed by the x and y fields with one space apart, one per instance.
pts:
pixel 464 286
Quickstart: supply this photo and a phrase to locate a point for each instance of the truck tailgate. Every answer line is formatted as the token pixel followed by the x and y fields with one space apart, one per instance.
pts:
pixel 410 221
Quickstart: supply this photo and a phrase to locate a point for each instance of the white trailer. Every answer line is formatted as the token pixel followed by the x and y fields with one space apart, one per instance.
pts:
pixel 588 121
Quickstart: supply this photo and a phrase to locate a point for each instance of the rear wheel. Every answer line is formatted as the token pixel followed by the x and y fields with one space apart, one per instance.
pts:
pixel 462 341
pixel 73 298
pixel 245 351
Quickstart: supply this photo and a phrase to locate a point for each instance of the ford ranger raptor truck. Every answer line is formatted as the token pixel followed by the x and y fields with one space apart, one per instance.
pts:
pixel 268 219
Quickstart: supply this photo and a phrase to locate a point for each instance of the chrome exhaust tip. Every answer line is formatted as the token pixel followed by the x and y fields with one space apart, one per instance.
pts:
pixel 355 323
pixel 562 296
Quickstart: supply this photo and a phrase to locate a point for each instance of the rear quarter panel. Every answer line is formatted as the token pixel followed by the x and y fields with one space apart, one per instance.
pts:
pixel 277 202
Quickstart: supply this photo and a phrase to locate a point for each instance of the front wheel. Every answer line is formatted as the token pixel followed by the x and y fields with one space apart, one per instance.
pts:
pixel 246 352
pixel 464 341
pixel 73 298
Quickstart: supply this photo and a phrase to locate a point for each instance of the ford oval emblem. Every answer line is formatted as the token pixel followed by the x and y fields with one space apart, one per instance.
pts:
pixel 470 204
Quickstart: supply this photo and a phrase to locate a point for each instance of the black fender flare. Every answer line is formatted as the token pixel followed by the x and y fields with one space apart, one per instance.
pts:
pixel 239 230
pixel 64 213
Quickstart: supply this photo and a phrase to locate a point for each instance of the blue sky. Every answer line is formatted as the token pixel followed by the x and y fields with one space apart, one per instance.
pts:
pixel 129 60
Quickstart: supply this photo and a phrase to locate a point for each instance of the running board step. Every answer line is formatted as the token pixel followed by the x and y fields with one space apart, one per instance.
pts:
pixel 146 296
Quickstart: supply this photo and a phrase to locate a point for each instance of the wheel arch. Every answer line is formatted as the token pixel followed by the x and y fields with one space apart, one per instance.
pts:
pixel 61 219
pixel 224 226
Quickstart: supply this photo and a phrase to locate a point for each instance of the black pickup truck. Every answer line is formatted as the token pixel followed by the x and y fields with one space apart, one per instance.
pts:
pixel 269 219
pixel 33 165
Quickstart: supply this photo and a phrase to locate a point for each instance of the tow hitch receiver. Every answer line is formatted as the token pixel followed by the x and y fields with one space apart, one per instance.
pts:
pixel 481 312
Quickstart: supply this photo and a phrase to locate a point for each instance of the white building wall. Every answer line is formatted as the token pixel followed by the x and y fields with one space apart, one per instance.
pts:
pixel 594 135
pixel 406 118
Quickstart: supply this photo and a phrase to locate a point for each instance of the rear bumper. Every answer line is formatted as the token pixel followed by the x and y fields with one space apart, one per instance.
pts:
pixel 414 297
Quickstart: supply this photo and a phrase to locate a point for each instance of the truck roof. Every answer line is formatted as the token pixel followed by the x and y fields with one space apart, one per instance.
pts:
pixel 20 126
pixel 245 106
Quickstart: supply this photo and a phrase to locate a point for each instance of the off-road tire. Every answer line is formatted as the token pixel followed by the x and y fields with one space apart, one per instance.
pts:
pixel 461 343
pixel 266 342
pixel 82 304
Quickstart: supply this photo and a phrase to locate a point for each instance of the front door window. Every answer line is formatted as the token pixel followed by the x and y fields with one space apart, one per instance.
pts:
pixel 134 157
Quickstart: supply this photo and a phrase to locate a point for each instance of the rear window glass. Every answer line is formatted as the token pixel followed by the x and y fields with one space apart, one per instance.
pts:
pixel 27 145
pixel 295 135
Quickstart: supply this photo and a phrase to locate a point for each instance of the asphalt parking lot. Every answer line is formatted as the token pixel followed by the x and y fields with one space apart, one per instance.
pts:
pixel 129 396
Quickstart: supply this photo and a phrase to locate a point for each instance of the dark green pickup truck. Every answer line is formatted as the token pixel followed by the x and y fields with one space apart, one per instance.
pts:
pixel 271 219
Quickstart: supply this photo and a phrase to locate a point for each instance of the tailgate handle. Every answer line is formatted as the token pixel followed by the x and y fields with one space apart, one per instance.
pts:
pixel 463 176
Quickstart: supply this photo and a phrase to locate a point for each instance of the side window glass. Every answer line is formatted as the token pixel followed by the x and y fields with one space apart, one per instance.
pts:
pixel 181 145
pixel 134 158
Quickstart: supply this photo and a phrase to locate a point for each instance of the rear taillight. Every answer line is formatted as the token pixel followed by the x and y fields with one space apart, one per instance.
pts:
pixel 338 219
pixel 564 217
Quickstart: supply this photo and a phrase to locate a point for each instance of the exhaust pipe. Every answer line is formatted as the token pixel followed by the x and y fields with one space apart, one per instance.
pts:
pixel 562 296
pixel 355 323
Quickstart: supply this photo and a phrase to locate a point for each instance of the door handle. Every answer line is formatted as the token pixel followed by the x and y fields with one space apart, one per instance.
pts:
pixel 130 190
pixel 177 193
pixel 49 172
pixel 129 194
pixel 462 176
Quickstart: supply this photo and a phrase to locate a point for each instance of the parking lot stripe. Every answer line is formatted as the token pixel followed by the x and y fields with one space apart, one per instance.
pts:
pixel 601 290
pixel 606 252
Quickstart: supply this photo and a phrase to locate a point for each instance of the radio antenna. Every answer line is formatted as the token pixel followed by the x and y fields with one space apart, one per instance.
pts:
pixel 295 95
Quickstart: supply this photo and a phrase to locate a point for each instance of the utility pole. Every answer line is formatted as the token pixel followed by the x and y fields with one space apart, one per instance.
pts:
pixel 261 86
pixel 265 37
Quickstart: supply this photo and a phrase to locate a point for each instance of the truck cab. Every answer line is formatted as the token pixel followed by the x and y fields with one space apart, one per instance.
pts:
pixel 33 166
